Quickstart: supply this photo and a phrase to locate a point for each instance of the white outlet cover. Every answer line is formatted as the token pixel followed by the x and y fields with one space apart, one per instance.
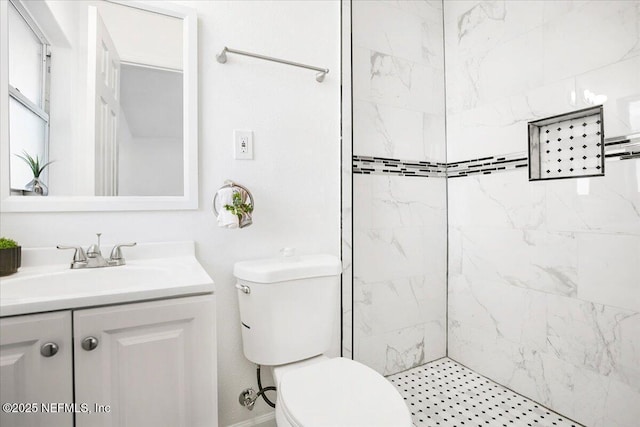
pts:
pixel 243 145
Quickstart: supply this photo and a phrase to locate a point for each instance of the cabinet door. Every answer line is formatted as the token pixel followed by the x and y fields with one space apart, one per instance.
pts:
pixel 30 374
pixel 154 364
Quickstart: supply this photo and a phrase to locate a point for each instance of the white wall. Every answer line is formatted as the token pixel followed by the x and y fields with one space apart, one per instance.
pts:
pixel 149 166
pixel 294 177
pixel 137 176
pixel 150 129
pixel 543 280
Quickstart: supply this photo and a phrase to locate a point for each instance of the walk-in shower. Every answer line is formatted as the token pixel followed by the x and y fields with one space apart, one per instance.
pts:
pixel 450 250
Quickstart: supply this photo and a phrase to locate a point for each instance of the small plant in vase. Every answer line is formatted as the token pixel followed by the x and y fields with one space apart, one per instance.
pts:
pixel 10 256
pixel 35 186
pixel 240 209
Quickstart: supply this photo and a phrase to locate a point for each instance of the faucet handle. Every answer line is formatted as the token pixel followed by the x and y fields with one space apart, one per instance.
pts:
pixel 116 253
pixel 78 256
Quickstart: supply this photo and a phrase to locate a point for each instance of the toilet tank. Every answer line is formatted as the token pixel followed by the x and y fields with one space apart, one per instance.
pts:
pixel 288 306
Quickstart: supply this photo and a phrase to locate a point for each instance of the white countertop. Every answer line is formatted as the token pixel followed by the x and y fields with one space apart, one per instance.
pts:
pixel 154 270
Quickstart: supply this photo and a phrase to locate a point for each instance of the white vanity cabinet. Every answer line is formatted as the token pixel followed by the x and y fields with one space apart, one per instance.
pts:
pixel 132 365
pixel 35 368
pixel 152 363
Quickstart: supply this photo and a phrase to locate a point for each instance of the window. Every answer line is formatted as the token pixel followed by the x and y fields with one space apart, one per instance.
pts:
pixel 28 93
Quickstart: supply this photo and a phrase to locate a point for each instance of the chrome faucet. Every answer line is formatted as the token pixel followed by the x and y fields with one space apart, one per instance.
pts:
pixel 93 258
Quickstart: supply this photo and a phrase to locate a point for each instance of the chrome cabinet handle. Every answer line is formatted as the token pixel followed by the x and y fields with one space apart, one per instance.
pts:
pixel 89 343
pixel 243 288
pixel 49 349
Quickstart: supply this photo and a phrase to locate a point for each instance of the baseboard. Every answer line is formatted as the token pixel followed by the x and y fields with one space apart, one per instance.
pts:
pixel 257 421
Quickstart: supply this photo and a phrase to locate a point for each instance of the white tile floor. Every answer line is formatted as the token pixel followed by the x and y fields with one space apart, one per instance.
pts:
pixel 445 393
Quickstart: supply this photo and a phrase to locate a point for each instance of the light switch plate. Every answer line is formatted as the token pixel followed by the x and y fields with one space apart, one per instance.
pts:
pixel 243 144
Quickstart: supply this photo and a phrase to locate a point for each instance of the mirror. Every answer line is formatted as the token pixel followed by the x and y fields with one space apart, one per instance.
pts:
pixel 104 92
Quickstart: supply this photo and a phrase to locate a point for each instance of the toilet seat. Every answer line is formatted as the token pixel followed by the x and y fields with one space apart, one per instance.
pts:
pixel 340 393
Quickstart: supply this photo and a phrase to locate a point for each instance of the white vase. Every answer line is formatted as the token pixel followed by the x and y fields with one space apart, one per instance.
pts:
pixel 36 187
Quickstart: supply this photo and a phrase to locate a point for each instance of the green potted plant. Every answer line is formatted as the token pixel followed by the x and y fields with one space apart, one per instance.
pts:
pixel 10 256
pixel 36 186
pixel 240 209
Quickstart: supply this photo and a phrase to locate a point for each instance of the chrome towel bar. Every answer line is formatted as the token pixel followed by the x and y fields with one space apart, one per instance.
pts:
pixel 222 58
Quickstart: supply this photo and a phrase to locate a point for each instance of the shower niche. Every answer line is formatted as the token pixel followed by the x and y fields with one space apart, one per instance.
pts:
pixel 569 145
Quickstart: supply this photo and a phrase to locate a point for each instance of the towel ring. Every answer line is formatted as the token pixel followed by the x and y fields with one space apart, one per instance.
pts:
pixel 236 187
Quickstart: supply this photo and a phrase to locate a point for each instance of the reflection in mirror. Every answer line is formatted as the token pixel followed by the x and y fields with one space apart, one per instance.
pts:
pixel 135 72
pixel 150 128
pixel 97 87
pixel 28 103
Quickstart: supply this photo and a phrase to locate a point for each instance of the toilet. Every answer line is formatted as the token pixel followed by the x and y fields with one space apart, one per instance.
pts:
pixel 288 311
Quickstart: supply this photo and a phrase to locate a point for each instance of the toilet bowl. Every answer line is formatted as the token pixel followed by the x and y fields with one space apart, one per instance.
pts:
pixel 288 311
pixel 339 392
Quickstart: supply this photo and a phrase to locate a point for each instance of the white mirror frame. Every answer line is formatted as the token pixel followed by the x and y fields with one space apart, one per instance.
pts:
pixel 189 199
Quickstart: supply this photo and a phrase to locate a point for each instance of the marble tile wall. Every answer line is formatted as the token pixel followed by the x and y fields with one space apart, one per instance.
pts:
pixel 400 237
pixel 543 289
pixel 544 277
pixel 399 222
pixel 398 79
pixel 510 62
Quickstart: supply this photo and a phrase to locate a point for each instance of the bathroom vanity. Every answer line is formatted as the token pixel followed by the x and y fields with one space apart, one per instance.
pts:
pixel 132 345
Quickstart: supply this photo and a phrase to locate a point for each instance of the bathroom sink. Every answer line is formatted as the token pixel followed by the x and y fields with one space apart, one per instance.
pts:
pixel 37 288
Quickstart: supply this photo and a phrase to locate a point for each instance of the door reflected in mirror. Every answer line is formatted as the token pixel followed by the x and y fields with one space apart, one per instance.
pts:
pixel 97 88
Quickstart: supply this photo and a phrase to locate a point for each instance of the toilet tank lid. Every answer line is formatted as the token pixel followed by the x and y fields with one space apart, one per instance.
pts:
pixel 272 270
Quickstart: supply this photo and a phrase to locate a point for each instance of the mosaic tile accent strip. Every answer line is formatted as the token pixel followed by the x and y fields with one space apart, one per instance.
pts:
pixel 487 165
pixel 625 148
pixel 379 165
pixel 621 149
pixel 567 146
pixel 445 393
